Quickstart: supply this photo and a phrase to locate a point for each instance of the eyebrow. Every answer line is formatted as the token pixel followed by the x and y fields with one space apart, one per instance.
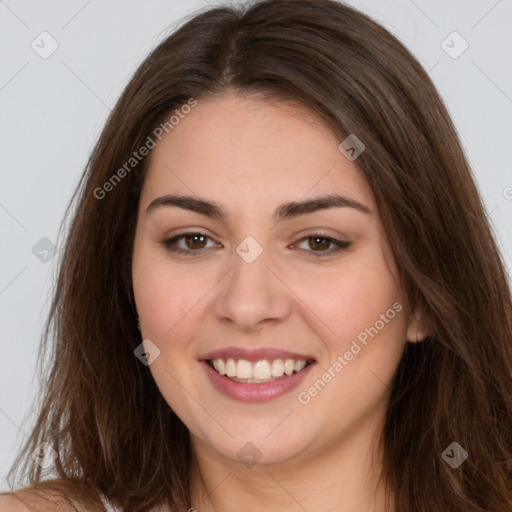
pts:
pixel 283 212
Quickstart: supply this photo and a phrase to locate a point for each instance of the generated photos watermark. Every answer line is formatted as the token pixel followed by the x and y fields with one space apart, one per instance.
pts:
pixel 139 155
pixel 304 397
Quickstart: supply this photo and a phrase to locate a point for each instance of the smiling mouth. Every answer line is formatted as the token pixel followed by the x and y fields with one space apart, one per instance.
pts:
pixel 257 372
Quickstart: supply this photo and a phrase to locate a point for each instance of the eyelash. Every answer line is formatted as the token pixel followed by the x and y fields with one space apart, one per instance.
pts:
pixel 339 245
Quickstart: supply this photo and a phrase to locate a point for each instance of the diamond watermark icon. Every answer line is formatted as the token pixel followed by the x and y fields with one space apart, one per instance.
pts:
pixel 249 249
pixel 147 352
pixel 454 455
pixel 454 45
pixel 249 455
pixel 351 147
pixel 44 250
pixel 44 45
pixel 44 455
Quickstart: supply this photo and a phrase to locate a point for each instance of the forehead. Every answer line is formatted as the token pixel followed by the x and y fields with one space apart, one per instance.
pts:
pixel 252 153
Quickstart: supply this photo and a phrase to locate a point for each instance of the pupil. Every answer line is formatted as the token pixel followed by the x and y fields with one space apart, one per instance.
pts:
pixel 316 241
pixel 194 237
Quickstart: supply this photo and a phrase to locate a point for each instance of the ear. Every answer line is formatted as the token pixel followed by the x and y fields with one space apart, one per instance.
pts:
pixel 417 327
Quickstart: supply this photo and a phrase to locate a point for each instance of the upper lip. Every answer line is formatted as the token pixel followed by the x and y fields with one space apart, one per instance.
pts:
pixel 254 354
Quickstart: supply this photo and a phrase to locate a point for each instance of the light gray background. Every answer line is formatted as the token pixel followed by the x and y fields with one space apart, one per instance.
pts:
pixel 52 110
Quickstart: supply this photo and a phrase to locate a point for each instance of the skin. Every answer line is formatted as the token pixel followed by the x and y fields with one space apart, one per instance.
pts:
pixel 251 155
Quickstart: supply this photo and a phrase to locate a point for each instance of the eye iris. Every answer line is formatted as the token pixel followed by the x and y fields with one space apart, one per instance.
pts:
pixel 324 245
pixel 188 238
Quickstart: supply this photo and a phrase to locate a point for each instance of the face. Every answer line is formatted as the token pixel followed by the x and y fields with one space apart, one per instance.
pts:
pixel 263 283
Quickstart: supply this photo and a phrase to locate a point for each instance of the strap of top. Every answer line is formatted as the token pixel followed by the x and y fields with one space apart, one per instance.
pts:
pixel 108 506
pixel 77 506
pixel 80 508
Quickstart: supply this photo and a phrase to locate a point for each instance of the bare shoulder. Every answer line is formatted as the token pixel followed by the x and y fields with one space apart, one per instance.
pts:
pixel 9 503
pixel 28 501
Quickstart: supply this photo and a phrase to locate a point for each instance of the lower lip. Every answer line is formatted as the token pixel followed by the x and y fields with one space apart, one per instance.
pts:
pixel 255 392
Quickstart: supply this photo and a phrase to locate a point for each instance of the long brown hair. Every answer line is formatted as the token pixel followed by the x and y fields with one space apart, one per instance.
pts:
pixel 101 410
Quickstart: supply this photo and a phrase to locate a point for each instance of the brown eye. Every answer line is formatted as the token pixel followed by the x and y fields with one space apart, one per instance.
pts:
pixel 194 243
pixel 319 242
pixel 322 245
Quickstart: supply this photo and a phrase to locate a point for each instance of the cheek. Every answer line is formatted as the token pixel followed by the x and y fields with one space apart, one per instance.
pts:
pixel 352 299
pixel 162 295
pixel 363 307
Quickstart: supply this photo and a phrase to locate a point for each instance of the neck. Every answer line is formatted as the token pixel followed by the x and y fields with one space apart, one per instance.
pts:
pixel 342 478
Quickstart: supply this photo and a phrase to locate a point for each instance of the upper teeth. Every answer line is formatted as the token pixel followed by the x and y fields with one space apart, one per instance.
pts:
pixel 264 369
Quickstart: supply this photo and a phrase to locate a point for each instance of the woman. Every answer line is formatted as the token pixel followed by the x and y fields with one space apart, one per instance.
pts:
pixel 279 289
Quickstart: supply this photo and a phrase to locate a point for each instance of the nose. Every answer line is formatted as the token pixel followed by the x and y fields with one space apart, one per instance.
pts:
pixel 252 294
